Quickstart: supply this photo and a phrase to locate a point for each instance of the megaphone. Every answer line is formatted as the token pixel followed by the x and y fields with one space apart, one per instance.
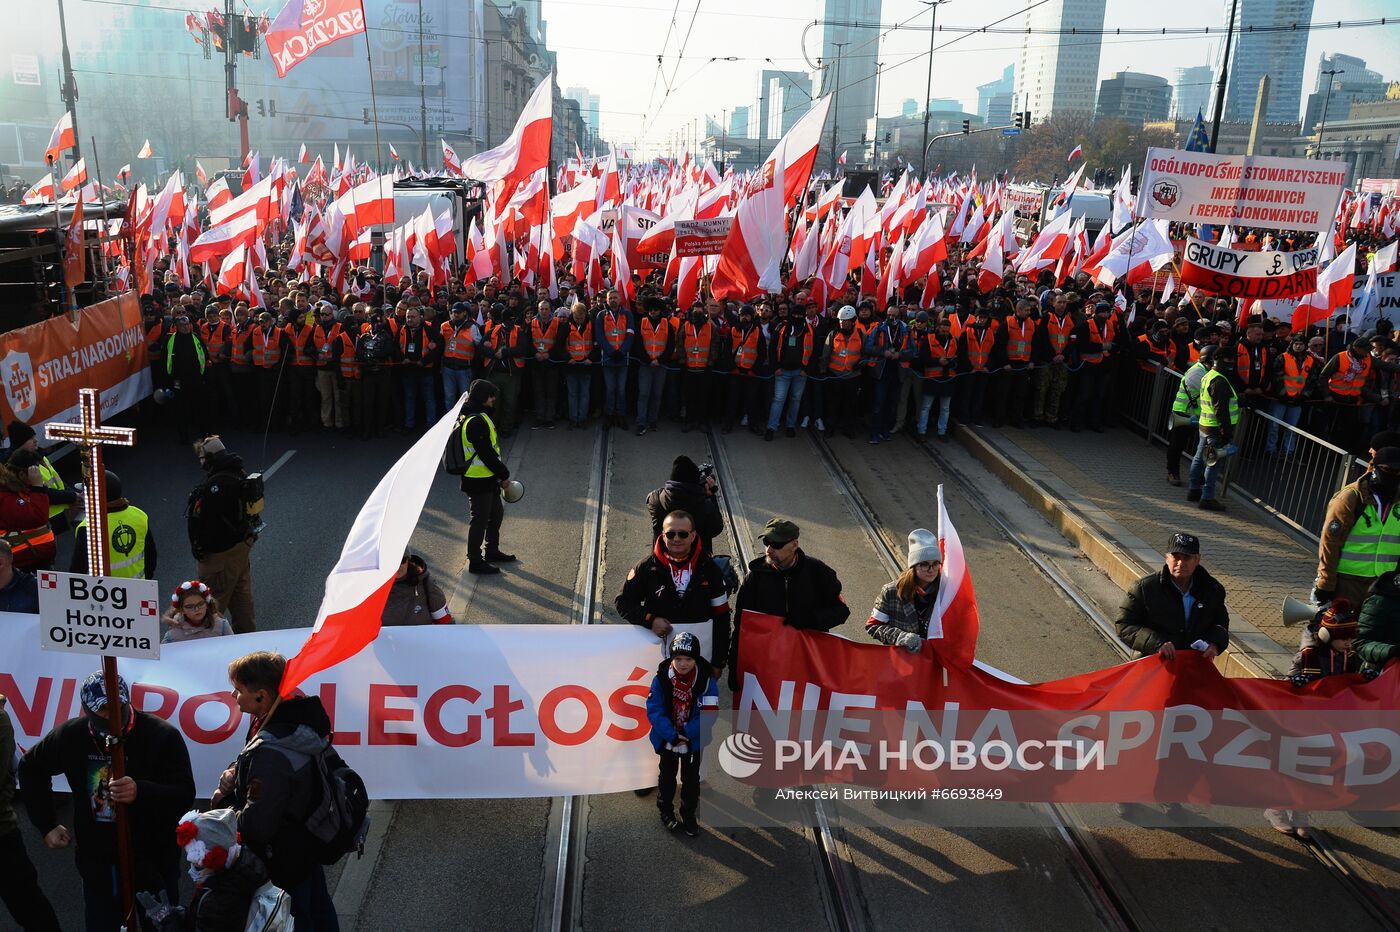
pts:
pixel 1178 420
pixel 1214 455
pixel 514 491
pixel 1296 611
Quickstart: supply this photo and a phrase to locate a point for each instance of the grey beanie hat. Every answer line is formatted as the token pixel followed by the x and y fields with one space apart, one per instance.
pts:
pixel 923 547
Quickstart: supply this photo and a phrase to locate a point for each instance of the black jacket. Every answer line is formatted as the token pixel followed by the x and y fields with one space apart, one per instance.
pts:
pixel 214 515
pixel 650 592
pixel 480 436
pixel 688 497
pixel 156 758
pixel 221 902
pixel 806 595
pixel 1152 613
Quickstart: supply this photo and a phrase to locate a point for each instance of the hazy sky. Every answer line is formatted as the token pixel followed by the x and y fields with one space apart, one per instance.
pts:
pixel 611 47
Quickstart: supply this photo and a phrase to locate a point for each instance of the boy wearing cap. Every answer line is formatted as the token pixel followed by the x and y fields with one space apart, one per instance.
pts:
pixel 683 690
pixel 158 788
pixel 1179 607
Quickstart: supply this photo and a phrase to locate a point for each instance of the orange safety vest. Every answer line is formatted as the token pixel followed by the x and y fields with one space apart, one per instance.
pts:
pixel 956 323
pixel 845 351
pixel 979 350
pixel 1163 355
pixel 1349 386
pixel 155 340
pixel 937 349
pixel 322 339
pixel 1058 329
pixel 1096 358
pixel 580 340
pixel 301 340
pixel 460 345
pixel 806 343
pixel 1242 361
pixel 655 339
pixel 696 342
pixel 349 366
pixel 1295 378
pixel 267 354
pixel 614 328
pixel 215 338
pixel 544 335
pixel 1019 334
pixel 864 330
pixel 495 340
pixel 746 350
pixel 424 354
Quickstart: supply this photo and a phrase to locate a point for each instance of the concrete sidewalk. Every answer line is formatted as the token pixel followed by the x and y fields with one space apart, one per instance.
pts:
pixel 1108 493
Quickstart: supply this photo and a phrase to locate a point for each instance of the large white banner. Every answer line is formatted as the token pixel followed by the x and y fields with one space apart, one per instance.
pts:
pixel 431 712
pixel 1248 190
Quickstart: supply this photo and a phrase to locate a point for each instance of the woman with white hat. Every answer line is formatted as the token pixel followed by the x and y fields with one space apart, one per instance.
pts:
pixel 904 607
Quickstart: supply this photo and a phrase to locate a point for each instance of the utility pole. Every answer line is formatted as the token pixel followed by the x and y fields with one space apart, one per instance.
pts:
pixel 723 137
pixel 1322 125
pixel 422 93
pixel 1224 76
pixel 928 84
pixel 69 91
pixel 835 102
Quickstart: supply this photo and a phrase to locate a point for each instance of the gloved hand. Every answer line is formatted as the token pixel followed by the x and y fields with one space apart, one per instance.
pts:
pixel 910 642
pixel 1300 679
pixel 1371 673
pixel 1322 596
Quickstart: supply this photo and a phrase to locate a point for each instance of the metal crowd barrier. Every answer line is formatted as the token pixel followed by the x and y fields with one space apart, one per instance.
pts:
pixel 1293 483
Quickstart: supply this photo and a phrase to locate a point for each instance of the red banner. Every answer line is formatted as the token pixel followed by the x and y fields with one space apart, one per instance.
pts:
pixel 304 26
pixel 1149 730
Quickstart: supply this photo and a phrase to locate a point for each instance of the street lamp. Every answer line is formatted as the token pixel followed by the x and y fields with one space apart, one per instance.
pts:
pixel 1327 99
pixel 928 85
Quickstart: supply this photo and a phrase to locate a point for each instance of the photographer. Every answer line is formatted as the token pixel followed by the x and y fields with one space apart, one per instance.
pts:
pixel 691 491
pixel 222 533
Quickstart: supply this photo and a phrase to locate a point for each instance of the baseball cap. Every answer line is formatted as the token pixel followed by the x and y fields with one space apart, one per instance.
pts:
pixel 779 531
pixel 94 692
pixel 1184 543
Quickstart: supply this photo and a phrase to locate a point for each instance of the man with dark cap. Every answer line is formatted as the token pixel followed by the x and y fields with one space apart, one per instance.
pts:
pixel 1360 536
pixel 484 479
pixel 785 581
pixel 1179 607
pixel 157 789
pixel 1092 339
pixel 131 547
pixel 24 452
pixel 1220 414
pixel 1351 379
pixel 222 533
pixel 687 490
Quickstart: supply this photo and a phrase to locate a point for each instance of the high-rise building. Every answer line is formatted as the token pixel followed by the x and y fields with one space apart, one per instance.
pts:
pixel 781 98
pixel 849 53
pixel 1134 98
pixel 1356 84
pixel 739 122
pixel 909 107
pixel 1059 73
pixel 587 105
pixel 994 98
pixel 1280 54
pixel 1191 91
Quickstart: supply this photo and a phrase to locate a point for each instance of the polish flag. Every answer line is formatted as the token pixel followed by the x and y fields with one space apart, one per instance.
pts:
pixel 233 273
pixel 926 249
pixel 841 160
pixel 954 625
pixel 76 177
pixel 74 258
pixel 994 265
pixel 125 173
pixel 621 272
pixel 829 199
pixel 199 173
pixel 753 252
pixel 218 194
pixel 393 153
pixel 369 202
pixel 1334 291
pixel 221 240
pixel 61 138
pixel 1076 152
pixel 358 585
pixel 145 152
pixel 1137 253
pixel 524 152
pixel 449 158
pixel 1384 261
pixel 1048 246
pixel 303 156
pixel 41 190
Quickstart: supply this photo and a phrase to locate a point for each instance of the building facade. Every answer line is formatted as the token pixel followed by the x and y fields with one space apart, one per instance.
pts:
pixel 781 98
pixel 1191 91
pixel 1278 54
pixel 1355 84
pixel 854 106
pixel 588 104
pixel 994 98
pixel 1059 74
pixel 1134 98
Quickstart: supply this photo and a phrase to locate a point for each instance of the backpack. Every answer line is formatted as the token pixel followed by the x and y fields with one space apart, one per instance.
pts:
pixel 338 819
pixel 373 349
pixel 454 457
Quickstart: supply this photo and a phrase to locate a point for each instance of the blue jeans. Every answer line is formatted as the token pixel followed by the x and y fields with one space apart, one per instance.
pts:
pixel 415 384
pixel 788 387
pixel 1202 476
pixel 1289 414
pixel 615 391
pixel 886 397
pixel 455 383
pixel 944 405
pixel 651 384
pixel 577 381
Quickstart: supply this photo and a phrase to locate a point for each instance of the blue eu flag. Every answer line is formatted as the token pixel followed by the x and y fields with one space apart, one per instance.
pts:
pixel 1198 140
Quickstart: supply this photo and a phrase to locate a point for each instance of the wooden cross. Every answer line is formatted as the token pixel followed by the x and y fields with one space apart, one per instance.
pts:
pixel 89 434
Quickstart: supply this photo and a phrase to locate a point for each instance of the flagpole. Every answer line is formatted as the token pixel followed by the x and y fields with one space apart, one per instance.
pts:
pixel 58 234
pixel 374 108
pixel 101 240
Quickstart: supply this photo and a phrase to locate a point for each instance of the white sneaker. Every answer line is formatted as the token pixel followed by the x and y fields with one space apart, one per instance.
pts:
pixel 821 428
pixel 804 422
pixel 744 421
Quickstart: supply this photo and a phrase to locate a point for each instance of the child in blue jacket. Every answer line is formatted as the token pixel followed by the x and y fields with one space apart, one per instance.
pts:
pixel 683 689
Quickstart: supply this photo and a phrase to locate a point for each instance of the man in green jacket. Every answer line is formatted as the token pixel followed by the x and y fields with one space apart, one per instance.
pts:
pixel 19 881
pixel 1378 641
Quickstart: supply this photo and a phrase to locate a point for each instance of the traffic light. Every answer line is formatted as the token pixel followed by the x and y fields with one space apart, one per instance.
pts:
pixel 366 116
pixel 887 137
pixel 862 139
pixel 967 126
pixel 271 108
pixel 262 111
pixel 1023 119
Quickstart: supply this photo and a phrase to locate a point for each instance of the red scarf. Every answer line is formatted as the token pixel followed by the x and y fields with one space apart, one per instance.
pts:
pixel 682 692
pixel 681 571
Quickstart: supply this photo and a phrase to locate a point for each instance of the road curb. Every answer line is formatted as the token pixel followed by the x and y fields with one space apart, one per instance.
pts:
pixel 1115 550
pixel 352 889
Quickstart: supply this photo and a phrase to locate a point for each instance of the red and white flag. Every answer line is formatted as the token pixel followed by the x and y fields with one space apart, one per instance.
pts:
pixel 955 625
pixel 358 586
pixel 74 260
pixel 393 153
pixel 41 190
pixel 369 202
pixel 145 152
pixel 233 273
pixel 841 159
pixel 304 26
pixel 76 177
pixel 218 194
pixel 449 158
pixel 1076 152
pixel 199 173
pixel 219 241
pixel 1334 291
pixel 1049 245
pixel 303 156
pixel 1384 261
pixel 525 151
pixel 994 265
pixel 1137 253
pixel 61 138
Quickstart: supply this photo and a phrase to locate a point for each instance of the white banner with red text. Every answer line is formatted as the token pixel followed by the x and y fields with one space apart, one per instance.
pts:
pixel 1242 273
pixel 1245 190
pixel 430 712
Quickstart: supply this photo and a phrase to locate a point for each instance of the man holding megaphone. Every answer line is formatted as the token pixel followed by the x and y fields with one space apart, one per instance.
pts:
pixel 484 479
pixel 1360 537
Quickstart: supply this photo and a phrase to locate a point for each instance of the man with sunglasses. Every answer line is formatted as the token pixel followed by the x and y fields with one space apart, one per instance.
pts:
pixel 678 583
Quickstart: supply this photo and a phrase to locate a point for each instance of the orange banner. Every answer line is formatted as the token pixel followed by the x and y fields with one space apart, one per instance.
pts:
pixel 45 364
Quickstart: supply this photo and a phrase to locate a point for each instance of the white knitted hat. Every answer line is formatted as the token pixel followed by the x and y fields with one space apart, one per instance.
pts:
pixel 923 547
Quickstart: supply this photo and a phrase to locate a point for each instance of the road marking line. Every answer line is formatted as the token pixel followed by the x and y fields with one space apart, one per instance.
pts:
pixel 281 461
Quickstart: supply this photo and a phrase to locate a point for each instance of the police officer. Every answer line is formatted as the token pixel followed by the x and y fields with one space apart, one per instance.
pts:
pixel 131 548
pixel 1220 413
pixel 1186 412
pixel 484 479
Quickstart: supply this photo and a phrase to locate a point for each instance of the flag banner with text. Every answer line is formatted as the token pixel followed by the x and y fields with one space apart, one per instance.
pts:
pixel 303 26
pixel 43 365
pixel 1240 274
pixel 430 712
pixel 816 708
pixel 702 237
pixel 1246 190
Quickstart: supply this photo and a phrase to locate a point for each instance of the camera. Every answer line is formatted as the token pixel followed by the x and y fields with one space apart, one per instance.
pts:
pixel 707 472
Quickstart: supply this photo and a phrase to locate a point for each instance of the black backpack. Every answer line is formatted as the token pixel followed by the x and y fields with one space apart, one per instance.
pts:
pixel 338 819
